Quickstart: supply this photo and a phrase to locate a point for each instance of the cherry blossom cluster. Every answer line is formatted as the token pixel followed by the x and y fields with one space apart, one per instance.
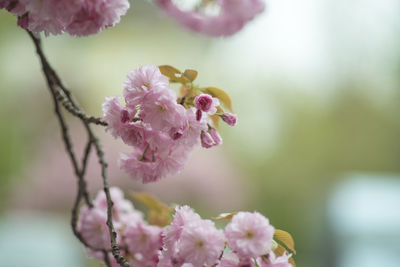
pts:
pixel 214 18
pixel 188 241
pixel 76 17
pixel 161 131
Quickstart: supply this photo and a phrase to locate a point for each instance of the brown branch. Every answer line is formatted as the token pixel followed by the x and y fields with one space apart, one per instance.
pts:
pixel 61 95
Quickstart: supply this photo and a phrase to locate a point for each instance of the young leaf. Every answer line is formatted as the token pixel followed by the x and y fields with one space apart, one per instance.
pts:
pixel 190 74
pixel 225 216
pixel 174 75
pixel 221 95
pixel 159 213
pixel 169 71
pixel 215 120
pixel 285 238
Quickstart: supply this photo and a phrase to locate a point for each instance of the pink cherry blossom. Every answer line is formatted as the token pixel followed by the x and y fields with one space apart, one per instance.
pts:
pixel 141 80
pixel 49 16
pixel 249 234
pixel 231 259
pixel 92 221
pixel 161 111
pixel 96 15
pixel 232 15
pixel 171 233
pixel 229 118
pixel 161 132
pixel 273 261
pixel 144 239
pixel 121 205
pixel 137 168
pixel 193 128
pixel 113 112
pixel 201 243
pixel 93 228
pixel 4 3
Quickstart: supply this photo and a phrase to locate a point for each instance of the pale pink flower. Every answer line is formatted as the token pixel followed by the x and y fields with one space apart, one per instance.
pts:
pixel 160 110
pixel 249 234
pixel 141 80
pixel 14 7
pixel 231 259
pixel 232 15
pixel 4 3
pixel 229 118
pixel 112 111
pixel 49 16
pixel 121 205
pixel 171 233
pixel 93 228
pixel 200 243
pixel 164 260
pixel 273 261
pixel 138 169
pixel 144 239
pixel 97 15
pixel 192 129
pixel 173 161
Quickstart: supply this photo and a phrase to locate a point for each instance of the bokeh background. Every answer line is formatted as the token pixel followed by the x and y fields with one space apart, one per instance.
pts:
pixel 316 86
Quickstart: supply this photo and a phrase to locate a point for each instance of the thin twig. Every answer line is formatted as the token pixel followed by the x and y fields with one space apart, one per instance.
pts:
pixel 63 96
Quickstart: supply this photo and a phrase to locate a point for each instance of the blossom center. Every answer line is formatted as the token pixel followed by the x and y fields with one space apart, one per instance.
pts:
pixel 249 235
pixel 200 244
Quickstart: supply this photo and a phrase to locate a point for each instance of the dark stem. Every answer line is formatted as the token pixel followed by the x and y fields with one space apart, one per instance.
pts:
pixel 61 95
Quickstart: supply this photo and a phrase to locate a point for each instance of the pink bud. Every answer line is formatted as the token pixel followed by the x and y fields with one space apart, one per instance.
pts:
pixel 198 115
pixel 203 102
pixel 229 118
pixel 215 136
pixel 124 116
pixel 175 133
pixel 206 140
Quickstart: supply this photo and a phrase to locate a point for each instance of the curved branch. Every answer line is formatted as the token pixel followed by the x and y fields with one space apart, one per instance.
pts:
pixel 61 95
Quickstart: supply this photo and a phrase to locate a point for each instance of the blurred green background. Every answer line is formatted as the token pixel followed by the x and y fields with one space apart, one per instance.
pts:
pixel 316 86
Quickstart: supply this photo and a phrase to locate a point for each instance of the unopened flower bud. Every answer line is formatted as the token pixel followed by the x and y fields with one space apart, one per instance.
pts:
pixel 206 103
pixel 203 102
pixel 215 136
pixel 229 118
pixel 124 116
pixel 175 133
pixel 199 114
pixel 206 140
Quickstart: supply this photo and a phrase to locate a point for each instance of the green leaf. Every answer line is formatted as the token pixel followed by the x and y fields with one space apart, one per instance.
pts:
pixel 221 95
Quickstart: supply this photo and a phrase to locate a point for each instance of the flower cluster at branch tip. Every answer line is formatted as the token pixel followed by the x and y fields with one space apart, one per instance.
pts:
pixel 161 129
pixel 186 241
pixel 77 17
pixel 214 18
